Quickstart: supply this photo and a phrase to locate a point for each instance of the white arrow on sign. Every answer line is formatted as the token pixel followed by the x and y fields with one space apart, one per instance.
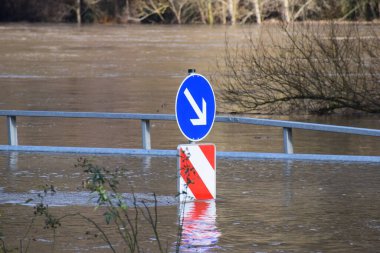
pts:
pixel 202 120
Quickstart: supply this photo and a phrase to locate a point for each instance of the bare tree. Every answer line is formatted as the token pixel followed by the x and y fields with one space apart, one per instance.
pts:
pixel 257 11
pixel 176 6
pixel 232 9
pixel 210 12
pixel 186 11
pixel 79 11
pixel 127 10
pixel 301 9
pixel 364 9
pixel 312 69
pixel 249 9
pixel 223 15
pixel 286 10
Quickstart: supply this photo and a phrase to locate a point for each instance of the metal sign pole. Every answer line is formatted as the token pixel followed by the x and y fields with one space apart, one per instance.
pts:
pixel 189 72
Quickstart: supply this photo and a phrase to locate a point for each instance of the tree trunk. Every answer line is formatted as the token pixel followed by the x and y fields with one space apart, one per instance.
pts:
pixel 210 14
pixel 201 8
pixel 79 11
pixel 286 11
pixel 177 10
pixel 231 5
pixel 127 12
pixel 257 11
pixel 116 10
pixel 224 14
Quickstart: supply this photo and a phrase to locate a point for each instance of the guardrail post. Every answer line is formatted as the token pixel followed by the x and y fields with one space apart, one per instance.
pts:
pixel 145 128
pixel 12 131
pixel 288 140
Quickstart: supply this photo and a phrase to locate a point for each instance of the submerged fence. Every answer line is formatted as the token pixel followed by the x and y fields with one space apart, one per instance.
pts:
pixel 287 126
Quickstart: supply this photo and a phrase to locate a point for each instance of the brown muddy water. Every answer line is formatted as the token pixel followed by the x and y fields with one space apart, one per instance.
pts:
pixel 261 205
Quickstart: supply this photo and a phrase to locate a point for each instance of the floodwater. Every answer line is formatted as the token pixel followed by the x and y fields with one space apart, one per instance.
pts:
pixel 261 205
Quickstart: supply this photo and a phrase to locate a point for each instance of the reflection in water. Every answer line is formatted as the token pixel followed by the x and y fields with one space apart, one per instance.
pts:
pixel 13 160
pixel 287 174
pixel 200 233
pixel 146 163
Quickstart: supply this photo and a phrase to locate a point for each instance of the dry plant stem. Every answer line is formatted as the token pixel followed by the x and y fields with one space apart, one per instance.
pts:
pixel 180 225
pixel 105 237
pixel 59 219
pixel 3 246
pixel 153 220
pixel 99 179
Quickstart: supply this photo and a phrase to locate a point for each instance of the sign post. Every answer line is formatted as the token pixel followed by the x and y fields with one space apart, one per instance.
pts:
pixel 195 110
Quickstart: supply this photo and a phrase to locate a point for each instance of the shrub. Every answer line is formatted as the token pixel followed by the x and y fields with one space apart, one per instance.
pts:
pixel 303 68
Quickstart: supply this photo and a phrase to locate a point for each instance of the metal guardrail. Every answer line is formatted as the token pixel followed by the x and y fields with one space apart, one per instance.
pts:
pixel 145 119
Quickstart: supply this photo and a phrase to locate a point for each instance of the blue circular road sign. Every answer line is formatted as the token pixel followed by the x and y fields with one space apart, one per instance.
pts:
pixel 195 107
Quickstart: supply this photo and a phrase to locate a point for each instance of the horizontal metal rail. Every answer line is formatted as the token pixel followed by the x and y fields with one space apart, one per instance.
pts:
pixel 145 119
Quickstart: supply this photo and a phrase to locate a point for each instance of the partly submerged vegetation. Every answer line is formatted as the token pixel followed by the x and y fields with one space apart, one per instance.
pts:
pixel 186 11
pixel 303 68
pixel 129 222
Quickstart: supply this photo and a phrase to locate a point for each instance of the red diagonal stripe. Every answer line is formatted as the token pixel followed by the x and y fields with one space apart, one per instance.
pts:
pixel 191 177
pixel 209 152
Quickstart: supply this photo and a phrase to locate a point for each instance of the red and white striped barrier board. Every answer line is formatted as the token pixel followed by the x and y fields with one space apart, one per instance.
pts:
pixel 197 171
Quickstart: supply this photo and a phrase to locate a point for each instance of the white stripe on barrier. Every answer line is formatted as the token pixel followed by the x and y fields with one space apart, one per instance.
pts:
pixel 188 195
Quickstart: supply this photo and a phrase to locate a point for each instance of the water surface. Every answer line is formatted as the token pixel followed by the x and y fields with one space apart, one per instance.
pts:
pixel 261 205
